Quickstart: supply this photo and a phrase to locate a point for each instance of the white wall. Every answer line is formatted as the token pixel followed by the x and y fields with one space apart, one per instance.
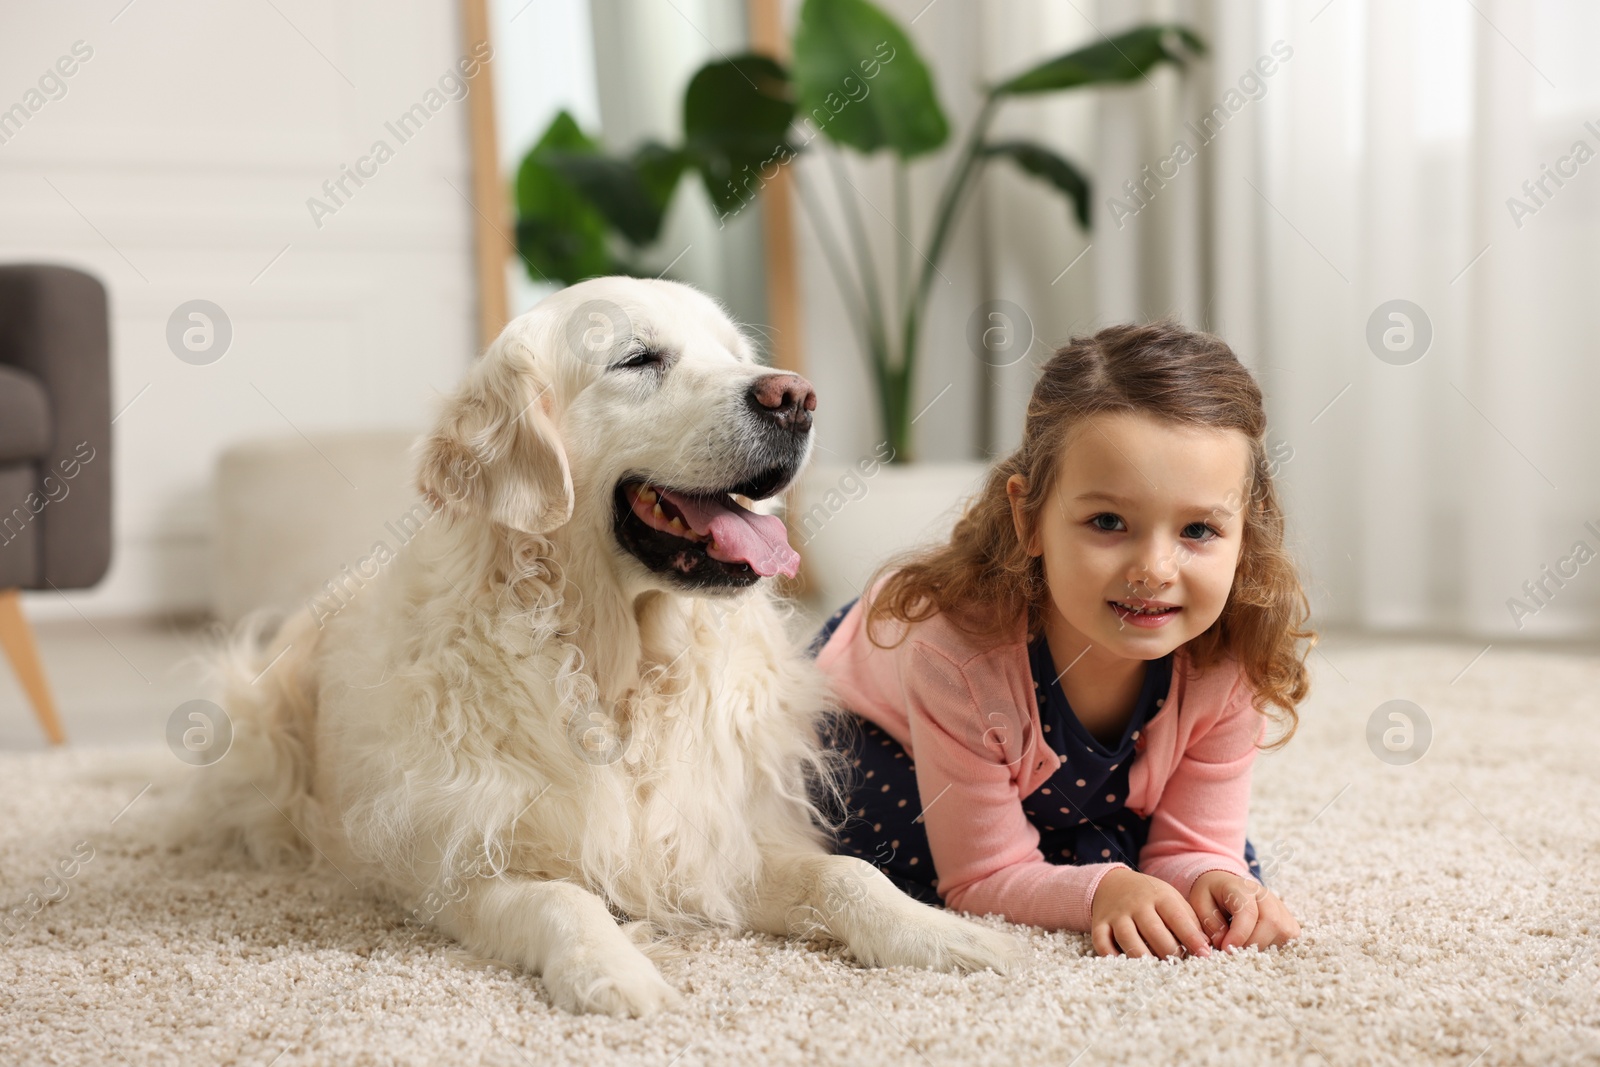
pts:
pixel 177 166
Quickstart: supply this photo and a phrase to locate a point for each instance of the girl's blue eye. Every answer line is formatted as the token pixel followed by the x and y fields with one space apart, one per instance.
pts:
pixel 1195 531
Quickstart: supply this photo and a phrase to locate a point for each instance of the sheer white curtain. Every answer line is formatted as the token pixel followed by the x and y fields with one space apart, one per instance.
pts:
pixel 1383 158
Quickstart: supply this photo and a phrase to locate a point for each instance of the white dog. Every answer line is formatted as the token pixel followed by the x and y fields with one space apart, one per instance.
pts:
pixel 571 698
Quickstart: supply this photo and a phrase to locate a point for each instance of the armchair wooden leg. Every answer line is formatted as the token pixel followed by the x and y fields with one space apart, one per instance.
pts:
pixel 17 637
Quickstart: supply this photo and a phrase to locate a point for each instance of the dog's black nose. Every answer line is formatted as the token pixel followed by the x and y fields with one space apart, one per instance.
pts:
pixel 786 399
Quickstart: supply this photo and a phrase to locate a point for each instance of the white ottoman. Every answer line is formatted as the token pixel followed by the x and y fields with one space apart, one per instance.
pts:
pixel 300 523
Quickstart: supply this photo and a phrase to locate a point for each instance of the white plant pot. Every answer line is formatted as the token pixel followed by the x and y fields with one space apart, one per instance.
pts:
pixel 848 518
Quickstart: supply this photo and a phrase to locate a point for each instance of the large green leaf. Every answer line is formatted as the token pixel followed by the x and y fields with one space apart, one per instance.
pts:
pixel 1041 162
pixel 860 81
pixel 736 116
pixel 659 168
pixel 1116 59
pixel 561 235
pixel 631 194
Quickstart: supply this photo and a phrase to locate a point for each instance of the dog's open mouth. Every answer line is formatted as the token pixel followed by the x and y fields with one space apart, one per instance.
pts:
pixel 702 538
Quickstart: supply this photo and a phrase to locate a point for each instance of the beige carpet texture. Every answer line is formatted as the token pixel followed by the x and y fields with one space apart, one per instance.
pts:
pixel 1450 909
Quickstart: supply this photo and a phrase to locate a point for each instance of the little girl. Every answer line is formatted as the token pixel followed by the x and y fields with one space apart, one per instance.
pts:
pixel 1053 716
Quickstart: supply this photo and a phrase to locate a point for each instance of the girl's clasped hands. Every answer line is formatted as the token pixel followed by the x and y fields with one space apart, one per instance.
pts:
pixel 1142 915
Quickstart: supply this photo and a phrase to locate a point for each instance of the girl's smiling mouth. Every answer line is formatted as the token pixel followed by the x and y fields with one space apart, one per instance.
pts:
pixel 1153 617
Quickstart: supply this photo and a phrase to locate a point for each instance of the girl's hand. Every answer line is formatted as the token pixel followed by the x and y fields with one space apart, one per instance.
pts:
pixel 1241 911
pixel 1141 913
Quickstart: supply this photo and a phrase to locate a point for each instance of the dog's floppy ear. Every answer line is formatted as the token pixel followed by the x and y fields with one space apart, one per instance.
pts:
pixel 494 451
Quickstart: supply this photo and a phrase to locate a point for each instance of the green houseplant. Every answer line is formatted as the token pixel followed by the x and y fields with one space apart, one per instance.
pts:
pixel 858 79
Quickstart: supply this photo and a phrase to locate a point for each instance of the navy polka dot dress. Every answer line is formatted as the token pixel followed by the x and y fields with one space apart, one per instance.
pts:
pixel 1080 811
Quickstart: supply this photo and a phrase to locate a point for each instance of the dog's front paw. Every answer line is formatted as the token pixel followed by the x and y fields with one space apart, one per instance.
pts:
pixel 615 981
pixel 941 941
pixel 966 946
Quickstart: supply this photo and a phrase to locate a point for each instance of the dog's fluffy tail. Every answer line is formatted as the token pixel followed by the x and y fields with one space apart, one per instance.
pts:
pixel 257 796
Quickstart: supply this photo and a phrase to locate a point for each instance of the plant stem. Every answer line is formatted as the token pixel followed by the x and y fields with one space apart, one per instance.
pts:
pixel 856 226
pixel 902 214
pixel 837 266
pixel 896 396
pixel 950 201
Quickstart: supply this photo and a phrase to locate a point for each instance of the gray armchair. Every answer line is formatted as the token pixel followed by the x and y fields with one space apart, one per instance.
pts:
pixel 55 452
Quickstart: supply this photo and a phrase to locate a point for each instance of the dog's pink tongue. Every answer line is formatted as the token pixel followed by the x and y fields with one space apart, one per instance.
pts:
pixel 742 535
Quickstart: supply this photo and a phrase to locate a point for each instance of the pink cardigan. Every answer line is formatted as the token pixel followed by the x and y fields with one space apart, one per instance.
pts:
pixel 969 720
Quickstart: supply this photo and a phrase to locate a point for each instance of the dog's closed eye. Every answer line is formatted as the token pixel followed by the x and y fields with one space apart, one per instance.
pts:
pixel 643 357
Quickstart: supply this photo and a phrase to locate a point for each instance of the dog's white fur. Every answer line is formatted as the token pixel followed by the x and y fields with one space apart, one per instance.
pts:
pixel 521 733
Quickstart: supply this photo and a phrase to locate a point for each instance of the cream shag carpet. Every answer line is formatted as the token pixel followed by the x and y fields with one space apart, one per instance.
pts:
pixel 1449 910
